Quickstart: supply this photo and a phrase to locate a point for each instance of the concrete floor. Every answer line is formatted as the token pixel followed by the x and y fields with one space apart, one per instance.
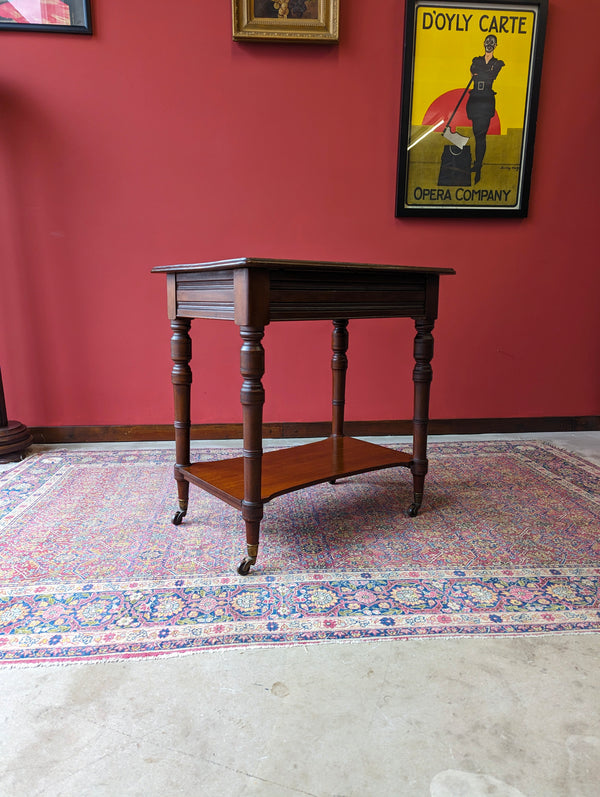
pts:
pixel 508 717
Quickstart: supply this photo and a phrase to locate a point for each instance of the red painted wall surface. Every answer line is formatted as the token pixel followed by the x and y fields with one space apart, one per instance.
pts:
pixel 160 140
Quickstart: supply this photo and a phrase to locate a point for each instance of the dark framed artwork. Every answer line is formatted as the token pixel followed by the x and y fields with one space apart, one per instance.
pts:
pixel 286 20
pixel 470 87
pixel 54 16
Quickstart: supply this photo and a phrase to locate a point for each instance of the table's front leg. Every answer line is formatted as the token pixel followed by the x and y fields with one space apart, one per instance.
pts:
pixel 252 398
pixel 181 377
pixel 422 375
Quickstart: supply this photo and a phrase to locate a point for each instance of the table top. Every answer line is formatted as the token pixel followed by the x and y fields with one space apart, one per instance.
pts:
pixel 275 264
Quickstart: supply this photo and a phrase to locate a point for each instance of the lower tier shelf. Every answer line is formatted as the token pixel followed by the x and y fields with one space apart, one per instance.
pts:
pixel 289 469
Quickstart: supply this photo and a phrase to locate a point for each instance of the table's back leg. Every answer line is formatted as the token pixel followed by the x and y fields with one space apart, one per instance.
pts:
pixel 181 376
pixel 339 366
pixel 422 375
pixel 252 398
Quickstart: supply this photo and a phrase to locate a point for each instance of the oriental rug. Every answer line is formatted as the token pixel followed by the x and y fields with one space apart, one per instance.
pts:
pixel 91 567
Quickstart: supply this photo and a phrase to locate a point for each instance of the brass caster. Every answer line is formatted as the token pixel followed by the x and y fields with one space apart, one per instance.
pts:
pixel 248 561
pixel 178 516
pixel 245 565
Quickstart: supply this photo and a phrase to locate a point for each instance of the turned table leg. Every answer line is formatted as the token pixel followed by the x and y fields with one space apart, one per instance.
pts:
pixel 252 398
pixel 422 375
pixel 339 366
pixel 181 377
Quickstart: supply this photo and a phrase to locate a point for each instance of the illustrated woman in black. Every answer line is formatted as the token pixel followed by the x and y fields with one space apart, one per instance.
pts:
pixel 481 105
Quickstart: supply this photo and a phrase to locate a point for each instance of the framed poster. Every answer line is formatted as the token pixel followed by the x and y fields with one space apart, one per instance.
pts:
pixel 55 16
pixel 286 20
pixel 470 87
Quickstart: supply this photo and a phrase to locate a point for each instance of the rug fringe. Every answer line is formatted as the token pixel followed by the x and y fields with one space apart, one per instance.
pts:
pixel 244 649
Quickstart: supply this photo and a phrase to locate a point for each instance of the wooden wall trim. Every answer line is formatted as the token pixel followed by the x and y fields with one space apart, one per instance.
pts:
pixel 233 431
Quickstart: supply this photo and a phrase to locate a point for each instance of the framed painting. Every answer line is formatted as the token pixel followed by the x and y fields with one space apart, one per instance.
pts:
pixel 55 16
pixel 470 87
pixel 286 20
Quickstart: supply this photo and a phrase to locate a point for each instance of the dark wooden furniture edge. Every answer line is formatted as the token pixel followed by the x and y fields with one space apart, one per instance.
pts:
pixel 261 262
pixel 15 438
pixel 233 431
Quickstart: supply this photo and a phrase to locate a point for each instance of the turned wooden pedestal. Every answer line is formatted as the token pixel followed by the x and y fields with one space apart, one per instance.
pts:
pixel 15 438
pixel 253 292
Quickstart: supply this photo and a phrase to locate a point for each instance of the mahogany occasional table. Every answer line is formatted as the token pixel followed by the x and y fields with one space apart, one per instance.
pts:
pixel 252 292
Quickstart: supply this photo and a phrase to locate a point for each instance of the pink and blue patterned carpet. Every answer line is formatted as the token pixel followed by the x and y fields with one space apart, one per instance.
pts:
pixel 91 568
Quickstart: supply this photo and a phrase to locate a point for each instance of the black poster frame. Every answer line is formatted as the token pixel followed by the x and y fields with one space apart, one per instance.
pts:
pixel 80 13
pixel 438 172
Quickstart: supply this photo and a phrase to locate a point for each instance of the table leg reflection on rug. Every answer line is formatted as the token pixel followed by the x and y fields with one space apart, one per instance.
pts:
pixel 253 292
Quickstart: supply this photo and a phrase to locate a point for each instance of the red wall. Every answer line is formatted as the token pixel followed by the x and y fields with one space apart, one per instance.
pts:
pixel 159 140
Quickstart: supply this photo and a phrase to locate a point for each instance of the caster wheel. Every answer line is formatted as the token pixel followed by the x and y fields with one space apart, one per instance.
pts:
pixel 245 564
pixel 177 518
pixel 413 510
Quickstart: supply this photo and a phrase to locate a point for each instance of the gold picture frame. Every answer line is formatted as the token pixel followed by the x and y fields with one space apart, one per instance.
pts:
pixel 286 20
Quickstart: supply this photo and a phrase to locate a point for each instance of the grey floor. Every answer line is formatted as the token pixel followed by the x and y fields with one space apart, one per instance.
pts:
pixel 508 717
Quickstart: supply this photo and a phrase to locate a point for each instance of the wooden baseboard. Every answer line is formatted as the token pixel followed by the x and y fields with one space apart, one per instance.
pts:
pixel 233 431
